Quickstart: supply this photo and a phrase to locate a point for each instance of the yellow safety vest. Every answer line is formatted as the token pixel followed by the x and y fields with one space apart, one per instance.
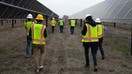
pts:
pixel 100 30
pixel 38 34
pixel 91 35
pixel 53 23
pixel 28 26
pixel 73 22
pixel 61 22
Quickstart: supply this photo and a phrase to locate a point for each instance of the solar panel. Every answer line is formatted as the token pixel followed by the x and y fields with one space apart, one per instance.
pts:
pixel 23 7
pixel 110 11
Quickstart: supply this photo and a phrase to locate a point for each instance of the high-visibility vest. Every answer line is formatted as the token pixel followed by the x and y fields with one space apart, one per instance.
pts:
pixel 91 34
pixel 38 34
pixel 73 22
pixel 28 26
pixel 53 23
pixel 100 30
pixel 61 22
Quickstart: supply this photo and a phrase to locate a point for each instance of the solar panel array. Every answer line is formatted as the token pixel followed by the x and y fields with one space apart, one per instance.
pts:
pixel 110 11
pixel 20 8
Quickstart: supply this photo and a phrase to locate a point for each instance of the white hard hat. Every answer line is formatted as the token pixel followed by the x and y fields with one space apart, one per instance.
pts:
pixel 72 17
pixel 29 16
pixel 53 18
pixel 60 17
pixel 98 20
pixel 88 15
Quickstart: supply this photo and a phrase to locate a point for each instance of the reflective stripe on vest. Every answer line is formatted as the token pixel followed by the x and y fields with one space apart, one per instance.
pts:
pixel 73 22
pixel 28 27
pixel 61 22
pixel 38 34
pixel 91 35
pixel 53 23
pixel 100 30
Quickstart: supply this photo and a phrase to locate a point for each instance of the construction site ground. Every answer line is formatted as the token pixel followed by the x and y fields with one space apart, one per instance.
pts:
pixel 64 53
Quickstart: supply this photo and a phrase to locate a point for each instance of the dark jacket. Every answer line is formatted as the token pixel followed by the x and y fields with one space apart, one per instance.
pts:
pixel 90 22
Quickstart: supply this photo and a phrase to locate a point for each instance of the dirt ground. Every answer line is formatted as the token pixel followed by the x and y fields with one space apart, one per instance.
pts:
pixel 64 53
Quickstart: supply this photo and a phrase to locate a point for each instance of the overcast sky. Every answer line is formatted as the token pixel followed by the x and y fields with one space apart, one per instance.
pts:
pixel 68 7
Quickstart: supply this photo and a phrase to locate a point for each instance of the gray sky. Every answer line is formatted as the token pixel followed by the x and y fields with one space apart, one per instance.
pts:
pixel 68 7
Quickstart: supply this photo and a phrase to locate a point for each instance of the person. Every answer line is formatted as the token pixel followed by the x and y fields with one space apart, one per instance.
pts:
pixel 81 22
pixel 90 40
pixel 53 24
pixel 100 36
pixel 61 24
pixel 72 24
pixel 39 34
pixel 28 25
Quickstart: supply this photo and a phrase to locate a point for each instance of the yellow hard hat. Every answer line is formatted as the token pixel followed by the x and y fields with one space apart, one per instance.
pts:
pixel 39 17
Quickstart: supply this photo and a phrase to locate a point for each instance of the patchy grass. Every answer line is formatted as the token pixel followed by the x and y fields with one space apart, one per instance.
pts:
pixel 123 48
pixel 119 40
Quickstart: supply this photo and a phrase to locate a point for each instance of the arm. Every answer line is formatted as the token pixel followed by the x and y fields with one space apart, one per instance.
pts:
pixel 45 33
pixel 30 33
pixel 84 31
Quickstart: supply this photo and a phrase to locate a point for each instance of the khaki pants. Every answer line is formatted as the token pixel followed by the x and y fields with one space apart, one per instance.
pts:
pixel 38 55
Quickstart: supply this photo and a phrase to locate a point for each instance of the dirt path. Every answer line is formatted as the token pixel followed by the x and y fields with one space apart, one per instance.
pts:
pixel 64 55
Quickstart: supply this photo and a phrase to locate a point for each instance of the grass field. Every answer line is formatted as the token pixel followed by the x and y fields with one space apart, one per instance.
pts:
pixel 64 52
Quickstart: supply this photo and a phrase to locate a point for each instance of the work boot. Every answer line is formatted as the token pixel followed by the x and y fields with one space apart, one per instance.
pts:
pixel 39 68
pixel 87 66
pixel 103 57
pixel 27 56
pixel 95 69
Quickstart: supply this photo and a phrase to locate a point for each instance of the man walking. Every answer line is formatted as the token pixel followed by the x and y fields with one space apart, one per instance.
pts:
pixel 100 36
pixel 38 32
pixel 90 40
pixel 53 24
pixel 28 27
pixel 61 24
pixel 72 24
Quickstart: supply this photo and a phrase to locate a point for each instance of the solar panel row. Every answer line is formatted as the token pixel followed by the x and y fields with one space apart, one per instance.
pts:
pixel 20 8
pixel 110 11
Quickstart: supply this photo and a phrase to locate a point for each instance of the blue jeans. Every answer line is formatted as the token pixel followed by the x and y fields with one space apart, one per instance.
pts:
pixel 28 46
pixel 100 46
pixel 72 30
pixel 94 47
pixel 61 29
pixel 53 28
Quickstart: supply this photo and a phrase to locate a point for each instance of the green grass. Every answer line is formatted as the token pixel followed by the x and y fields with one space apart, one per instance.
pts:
pixel 123 48
pixel 119 45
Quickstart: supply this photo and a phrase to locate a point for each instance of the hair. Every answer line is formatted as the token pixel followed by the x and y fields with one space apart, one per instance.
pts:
pixel 89 18
pixel 90 21
pixel 39 21
pixel 98 23
pixel 29 19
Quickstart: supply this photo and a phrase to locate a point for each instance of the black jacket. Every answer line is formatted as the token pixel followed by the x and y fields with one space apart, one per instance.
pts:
pixel 91 22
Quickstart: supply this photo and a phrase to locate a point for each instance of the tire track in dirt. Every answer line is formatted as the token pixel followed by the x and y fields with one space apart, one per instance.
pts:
pixel 55 53
pixel 64 49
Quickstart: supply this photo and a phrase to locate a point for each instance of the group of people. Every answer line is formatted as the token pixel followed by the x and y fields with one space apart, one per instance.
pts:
pixel 92 37
pixel 72 23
